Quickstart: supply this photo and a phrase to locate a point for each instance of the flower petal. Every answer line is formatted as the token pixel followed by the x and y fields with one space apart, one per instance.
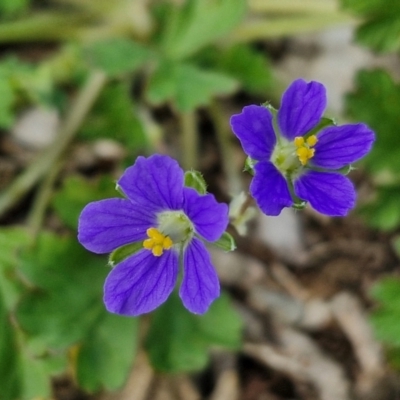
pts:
pixel 209 217
pixel 301 108
pixel 140 283
pixel 253 127
pixel 270 190
pixel 108 224
pixel 339 146
pixel 200 285
pixel 328 192
pixel 155 182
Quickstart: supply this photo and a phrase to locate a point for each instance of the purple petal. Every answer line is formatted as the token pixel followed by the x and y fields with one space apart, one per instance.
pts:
pixel 338 146
pixel 200 285
pixel 301 109
pixel 328 192
pixel 209 217
pixel 155 182
pixel 253 127
pixel 108 224
pixel 141 283
pixel 270 190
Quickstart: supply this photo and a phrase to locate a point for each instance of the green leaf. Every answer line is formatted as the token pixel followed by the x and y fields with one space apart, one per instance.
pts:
pixel 9 8
pixel 187 85
pixel 37 371
pixel 7 100
pixel 386 326
pixel 375 102
pixel 381 29
pixel 77 192
pixel 117 56
pixel 370 7
pixel 387 292
pixel 384 212
pixel 386 318
pixel 242 62
pixel 66 298
pixel 198 23
pixel 123 252
pixel 226 242
pixel 12 241
pixel 179 341
pixel 9 368
pixel 195 180
pixel 114 116
pixel 382 34
pixel 105 358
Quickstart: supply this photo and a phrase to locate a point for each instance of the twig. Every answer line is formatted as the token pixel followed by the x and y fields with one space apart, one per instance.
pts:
pixel 300 358
pixel 45 162
pixel 224 135
pixel 190 140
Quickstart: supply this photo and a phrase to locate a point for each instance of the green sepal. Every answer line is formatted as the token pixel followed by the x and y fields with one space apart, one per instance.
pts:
pixel 271 108
pixel 120 191
pixel 346 169
pixel 195 180
pixel 123 252
pixel 226 242
pixel 249 165
pixel 323 123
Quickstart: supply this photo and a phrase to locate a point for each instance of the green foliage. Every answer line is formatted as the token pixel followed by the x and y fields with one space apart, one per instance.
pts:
pixel 107 353
pixel 186 338
pixel 8 357
pixel 383 212
pixel 187 85
pixel 198 23
pixel 375 101
pixel 117 56
pixel 50 310
pixel 114 116
pixel 381 29
pixel 61 307
pixel 386 318
pixel 10 8
pixel 76 193
pixel 242 62
pixel 12 242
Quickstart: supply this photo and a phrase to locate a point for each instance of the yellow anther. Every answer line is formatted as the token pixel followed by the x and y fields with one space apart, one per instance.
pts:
pixel 299 141
pixel 157 242
pixel 304 150
pixel 312 140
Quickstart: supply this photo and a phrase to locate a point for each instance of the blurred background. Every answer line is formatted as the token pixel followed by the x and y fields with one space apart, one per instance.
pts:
pixel 310 308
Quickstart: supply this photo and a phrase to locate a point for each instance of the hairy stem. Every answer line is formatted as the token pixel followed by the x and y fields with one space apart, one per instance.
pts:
pixel 45 161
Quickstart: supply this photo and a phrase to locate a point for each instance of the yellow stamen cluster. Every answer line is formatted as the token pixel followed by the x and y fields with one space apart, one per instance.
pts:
pixel 304 148
pixel 157 242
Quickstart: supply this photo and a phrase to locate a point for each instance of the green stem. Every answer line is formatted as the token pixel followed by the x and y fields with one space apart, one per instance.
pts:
pixel 45 162
pixel 294 6
pixel 189 140
pixel 273 28
pixel 45 26
pixel 224 136
pixel 36 215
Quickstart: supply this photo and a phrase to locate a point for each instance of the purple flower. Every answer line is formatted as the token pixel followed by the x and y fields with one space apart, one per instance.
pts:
pixel 293 160
pixel 168 220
